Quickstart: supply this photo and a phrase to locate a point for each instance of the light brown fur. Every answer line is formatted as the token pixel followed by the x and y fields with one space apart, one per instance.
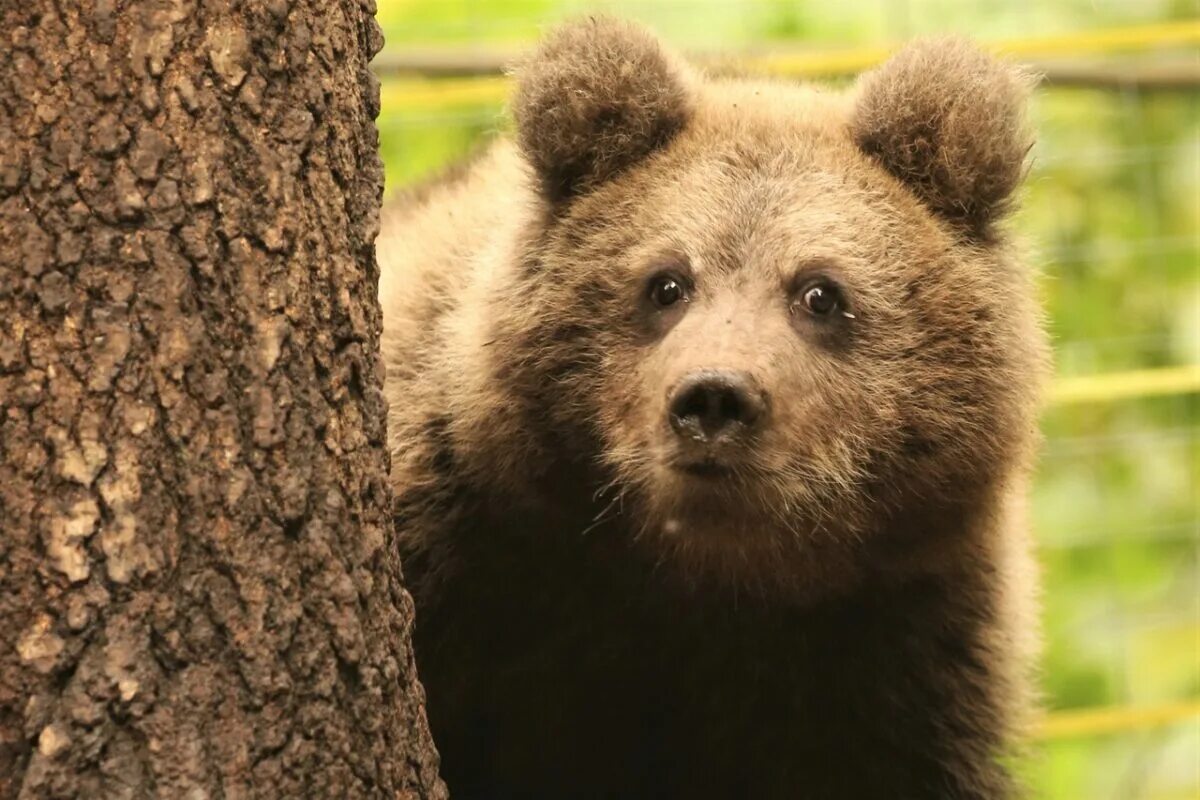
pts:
pixel 876 514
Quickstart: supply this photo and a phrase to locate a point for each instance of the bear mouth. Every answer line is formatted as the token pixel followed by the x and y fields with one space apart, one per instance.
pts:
pixel 707 469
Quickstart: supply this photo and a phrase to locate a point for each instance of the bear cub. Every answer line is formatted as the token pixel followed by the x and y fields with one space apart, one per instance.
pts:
pixel 712 407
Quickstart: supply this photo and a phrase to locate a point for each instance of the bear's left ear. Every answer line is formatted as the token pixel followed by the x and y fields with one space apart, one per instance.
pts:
pixel 948 120
pixel 597 96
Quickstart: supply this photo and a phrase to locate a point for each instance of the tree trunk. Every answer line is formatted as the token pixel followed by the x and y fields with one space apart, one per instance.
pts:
pixel 199 591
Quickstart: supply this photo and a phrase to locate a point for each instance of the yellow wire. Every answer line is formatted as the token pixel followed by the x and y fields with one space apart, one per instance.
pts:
pixel 1107 387
pixel 415 94
pixel 1140 37
pixel 1097 721
pixel 1134 37
pixel 409 94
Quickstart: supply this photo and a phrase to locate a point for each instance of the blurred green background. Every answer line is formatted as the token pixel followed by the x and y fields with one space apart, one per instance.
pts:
pixel 1111 213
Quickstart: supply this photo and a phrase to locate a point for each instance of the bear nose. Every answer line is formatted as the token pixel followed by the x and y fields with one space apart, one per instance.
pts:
pixel 715 403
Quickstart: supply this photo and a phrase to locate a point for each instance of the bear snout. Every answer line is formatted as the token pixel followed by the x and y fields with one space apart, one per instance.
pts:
pixel 713 405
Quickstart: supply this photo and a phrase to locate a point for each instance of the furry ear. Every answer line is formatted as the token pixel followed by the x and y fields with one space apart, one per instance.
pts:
pixel 948 120
pixel 598 95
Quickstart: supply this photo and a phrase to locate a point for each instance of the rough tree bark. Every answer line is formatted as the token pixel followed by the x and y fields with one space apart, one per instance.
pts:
pixel 198 592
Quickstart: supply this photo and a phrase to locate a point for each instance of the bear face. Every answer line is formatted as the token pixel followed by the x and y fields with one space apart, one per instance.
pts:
pixel 780 320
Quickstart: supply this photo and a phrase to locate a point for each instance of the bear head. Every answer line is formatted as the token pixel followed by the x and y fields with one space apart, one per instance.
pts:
pixel 786 323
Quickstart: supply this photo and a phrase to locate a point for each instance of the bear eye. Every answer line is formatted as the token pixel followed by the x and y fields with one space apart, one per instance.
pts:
pixel 666 291
pixel 821 299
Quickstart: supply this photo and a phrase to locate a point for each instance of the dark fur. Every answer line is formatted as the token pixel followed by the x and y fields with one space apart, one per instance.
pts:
pixel 844 617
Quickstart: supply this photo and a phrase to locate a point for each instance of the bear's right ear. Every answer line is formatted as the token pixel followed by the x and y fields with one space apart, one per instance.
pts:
pixel 597 96
pixel 948 120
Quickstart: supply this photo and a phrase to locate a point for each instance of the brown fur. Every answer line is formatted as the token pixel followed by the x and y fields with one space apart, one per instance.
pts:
pixel 948 120
pixel 594 98
pixel 844 614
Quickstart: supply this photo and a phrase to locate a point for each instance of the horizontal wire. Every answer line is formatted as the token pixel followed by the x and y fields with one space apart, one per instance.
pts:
pixel 1138 383
pixel 1142 535
pixel 1104 40
pixel 1074 447
pixel 1114 719
pixel 1110 249
pixel 415 93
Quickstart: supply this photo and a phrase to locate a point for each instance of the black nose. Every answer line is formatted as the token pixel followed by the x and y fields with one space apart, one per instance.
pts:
pixel 715 403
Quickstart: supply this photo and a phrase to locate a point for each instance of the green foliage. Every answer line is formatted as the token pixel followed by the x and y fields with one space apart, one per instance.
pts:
pixel 1111 209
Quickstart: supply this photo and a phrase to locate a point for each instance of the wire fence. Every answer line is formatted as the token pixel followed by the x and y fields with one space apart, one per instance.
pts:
pixel 1112 203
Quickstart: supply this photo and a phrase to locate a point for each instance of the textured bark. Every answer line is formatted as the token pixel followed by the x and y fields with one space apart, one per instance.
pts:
pixel 198 586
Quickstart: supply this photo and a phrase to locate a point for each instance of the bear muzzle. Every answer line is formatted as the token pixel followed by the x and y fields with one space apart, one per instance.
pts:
pixel 712 410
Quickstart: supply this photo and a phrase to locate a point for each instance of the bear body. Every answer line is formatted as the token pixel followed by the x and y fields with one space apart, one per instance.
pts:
pixel 711 411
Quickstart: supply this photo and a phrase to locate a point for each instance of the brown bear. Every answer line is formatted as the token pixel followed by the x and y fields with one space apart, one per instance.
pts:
pixel 712 405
